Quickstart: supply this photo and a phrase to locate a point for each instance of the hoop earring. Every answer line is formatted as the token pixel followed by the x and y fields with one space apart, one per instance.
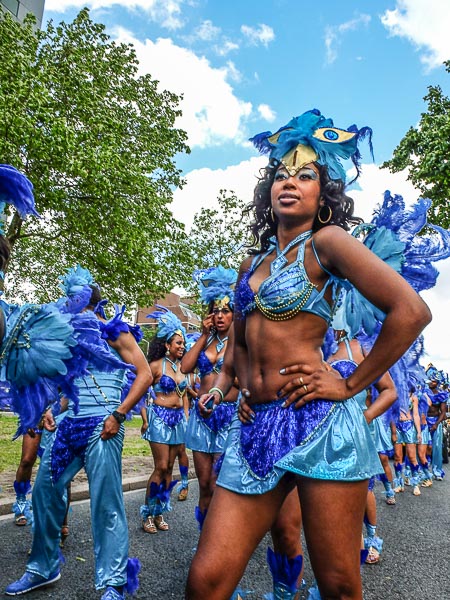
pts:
pixel 272 215
pixel 330 214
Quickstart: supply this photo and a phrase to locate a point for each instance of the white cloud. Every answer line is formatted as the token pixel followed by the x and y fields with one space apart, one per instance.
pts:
pixel 212 113
pixel 266 112
pixel 425 23
pixel 207 31
pixel 165 12
pixel 333 35
pixel 262 35
pixel 203 186
pixel 225 47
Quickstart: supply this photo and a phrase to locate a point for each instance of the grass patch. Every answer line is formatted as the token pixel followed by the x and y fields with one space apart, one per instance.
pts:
pixel 10 451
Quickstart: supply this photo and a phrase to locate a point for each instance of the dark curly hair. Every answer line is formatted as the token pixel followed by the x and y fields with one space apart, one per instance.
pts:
pixel 157 348
pixel 264 226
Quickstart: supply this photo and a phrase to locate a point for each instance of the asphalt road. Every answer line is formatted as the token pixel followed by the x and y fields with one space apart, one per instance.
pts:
pixel 414 562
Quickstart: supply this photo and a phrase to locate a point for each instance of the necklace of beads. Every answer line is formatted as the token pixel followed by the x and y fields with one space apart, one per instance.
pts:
pixel 172 364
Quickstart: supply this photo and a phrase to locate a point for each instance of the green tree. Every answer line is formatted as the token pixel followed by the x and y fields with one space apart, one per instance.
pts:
pixel 98 142
pixel 425 151
pixel 218 236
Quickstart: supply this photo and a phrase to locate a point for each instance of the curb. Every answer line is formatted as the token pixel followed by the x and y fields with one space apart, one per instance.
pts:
pixel 81 491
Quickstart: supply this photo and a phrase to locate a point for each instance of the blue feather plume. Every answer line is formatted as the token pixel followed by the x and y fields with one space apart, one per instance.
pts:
pixel 17 189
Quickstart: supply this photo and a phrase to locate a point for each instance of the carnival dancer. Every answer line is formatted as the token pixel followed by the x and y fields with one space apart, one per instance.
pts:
pixel 437 412
pixel 285 296
pixel 89 435
pixel 164 420
pixel 206 437
pixel 424 402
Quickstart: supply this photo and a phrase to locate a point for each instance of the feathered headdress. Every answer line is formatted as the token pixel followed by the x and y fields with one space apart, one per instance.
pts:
pixel 168 323
pixel 15 189
pixel 76 285
pixel 433 374
pixel 217 285
pixel 313 138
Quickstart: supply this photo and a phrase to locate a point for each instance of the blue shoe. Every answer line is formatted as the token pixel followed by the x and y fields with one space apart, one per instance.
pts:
pixel 112 594
pixel 30 581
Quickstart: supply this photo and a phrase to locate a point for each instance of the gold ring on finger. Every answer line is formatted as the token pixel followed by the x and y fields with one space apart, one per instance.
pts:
pixel 305 387
pixel 300 379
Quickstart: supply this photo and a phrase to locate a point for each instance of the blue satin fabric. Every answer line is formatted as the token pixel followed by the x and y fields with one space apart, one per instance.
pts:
pixel 102 461
pixel 436 440
pixel 406 432
pixel 209 435
pixel 426 435
pixel 333 442
pixel 382 435
pixel 165 425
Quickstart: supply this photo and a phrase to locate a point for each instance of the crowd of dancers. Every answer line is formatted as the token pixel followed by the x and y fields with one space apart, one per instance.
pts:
pixel 305 379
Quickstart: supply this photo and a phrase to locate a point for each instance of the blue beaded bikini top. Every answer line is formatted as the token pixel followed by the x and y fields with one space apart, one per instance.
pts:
pixel 167 385
pixel 286 292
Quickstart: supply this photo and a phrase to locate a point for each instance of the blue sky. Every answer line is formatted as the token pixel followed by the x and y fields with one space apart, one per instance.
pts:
pixel 250 65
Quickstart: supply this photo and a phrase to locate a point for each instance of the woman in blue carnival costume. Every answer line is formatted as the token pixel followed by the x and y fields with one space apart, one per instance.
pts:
pixel 437 413
pixel 206 437
pixel 164 421
pixel 348 354
pixel 89 435
pixel 317 438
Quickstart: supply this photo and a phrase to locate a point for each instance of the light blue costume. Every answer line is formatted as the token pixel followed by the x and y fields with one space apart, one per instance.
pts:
pixel 209 435
pixel 166 425
pixel 77 444
pixel 323 439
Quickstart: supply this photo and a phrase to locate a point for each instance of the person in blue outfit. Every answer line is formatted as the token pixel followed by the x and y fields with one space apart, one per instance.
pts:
pixel 89 435
pixel 315 439
pixel 165 419
pixel 206 437
pixel 437 413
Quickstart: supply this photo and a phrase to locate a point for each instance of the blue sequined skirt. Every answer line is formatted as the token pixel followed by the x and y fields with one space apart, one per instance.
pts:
pixel 406 432
pixel 165 425
pixel 322 440
pixel 209 435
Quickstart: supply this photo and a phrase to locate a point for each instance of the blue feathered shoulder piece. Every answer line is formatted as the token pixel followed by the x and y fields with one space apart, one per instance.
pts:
pixel 168 323
pixel 329 143
pixel 45 350
pixel 112 328
pixel 217 284
pixel 16 189
pixel 394 236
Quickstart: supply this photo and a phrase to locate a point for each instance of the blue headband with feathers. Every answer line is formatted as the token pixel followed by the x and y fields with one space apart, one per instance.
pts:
pixel 16 189
pixel 75 280
pixel 313 130
pixel 216 284
pixel 168 323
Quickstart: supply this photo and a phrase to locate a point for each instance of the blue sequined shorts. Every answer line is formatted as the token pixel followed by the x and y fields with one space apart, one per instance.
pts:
pixel 406 432
pixel 209 435
pixel 165 425
pixel 322 440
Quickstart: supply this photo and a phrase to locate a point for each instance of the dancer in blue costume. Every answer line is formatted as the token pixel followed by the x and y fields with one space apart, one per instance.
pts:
pixel 164 421
pixel 348 355
pixel 407 437
pixel 426 475
pixel 285 296
pixel 89 435
pixel 206 437
pixel 437 412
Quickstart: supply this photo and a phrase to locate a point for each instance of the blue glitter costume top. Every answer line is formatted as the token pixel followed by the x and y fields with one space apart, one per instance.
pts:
pixel 286 292
pixel 206 367
pixel 167 385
